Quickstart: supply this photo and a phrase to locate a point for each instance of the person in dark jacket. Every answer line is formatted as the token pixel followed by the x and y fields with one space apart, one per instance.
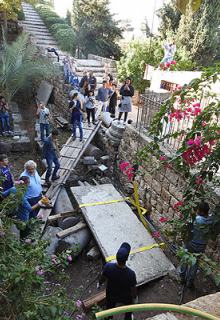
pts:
pixel 49 49
pixel 113 100
pixel 126 91
pixel 121 281
pixel 6 177
pixel 83 82
pixel 76 115
pixel 51 154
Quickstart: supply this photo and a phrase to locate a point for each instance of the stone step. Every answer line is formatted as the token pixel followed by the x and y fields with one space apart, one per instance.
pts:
pixel 34 23
pixel 88 63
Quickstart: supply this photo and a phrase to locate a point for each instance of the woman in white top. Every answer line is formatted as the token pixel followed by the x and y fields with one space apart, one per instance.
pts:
pixel 169 50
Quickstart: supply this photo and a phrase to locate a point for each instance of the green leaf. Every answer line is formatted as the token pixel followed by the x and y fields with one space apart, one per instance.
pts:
pixel 53 310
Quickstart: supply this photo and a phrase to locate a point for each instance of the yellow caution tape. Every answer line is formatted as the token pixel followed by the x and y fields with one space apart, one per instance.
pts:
pixel 104 202
pixel 160 245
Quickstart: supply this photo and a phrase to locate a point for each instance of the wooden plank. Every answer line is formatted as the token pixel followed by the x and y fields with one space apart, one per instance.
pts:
pixel 61 215
pixel 99 298
pixel 79 226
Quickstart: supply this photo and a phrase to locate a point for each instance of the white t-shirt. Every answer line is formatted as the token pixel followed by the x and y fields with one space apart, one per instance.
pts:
pixel 73 66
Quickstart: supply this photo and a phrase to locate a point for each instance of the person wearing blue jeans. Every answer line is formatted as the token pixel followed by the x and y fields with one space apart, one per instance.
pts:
pixel 197 244
pixel 4 116
pixel 76 115
pixel 169 51
pixel 44 114
pixel 51 155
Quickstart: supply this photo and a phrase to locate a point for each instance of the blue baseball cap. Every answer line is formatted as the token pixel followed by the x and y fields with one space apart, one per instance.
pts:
pixel 123 252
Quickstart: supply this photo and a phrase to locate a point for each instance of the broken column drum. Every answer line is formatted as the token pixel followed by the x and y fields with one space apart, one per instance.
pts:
pixel 114 133
pixel 106 119
pixel 93 151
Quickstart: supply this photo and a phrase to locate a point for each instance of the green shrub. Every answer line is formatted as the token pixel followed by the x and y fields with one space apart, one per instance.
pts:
pixel 67 39
pixel 57 26
pixel 20 14
pixel 49 21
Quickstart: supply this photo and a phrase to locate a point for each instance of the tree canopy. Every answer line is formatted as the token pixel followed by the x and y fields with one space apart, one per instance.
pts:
pixel 96 28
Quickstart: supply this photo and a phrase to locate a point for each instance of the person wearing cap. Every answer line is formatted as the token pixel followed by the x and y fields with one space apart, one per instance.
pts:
pixel 6 177
pixel 121 281
pixel 104 94
pixel 126 91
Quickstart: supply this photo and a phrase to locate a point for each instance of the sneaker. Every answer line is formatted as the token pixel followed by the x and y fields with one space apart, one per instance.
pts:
pixel 81 139
pixel 3 134
pixel 89 125
pixel 55 178
pixel 74 138
pixel 47 183
pixel 124 123
pixel 95 122
pixel 118 122
pixel 9 132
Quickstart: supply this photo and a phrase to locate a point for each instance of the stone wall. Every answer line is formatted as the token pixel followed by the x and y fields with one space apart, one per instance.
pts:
pixel 13 30
pixel 107 63
pixel 159 190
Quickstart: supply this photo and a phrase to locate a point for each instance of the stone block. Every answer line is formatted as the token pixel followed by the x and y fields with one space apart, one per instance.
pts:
pixel 165 208
pixel 16 117
pixel 173 201
pixel 44 92
pixel 14 107
pixel 165 195
pixel 173 190
pixel 22 145
pixel 165 184
pixel 148 179
pixel 173 177
pixel 5 146
pixel 156 186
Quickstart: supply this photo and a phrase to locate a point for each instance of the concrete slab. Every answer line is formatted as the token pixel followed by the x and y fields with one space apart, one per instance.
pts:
pixel 115 223
pixel 44 92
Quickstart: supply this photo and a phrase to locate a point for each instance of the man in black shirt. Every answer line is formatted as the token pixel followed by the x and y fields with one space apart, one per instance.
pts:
pixel 92 81
pixel 83 82
pixel 108 74
pixel 121 281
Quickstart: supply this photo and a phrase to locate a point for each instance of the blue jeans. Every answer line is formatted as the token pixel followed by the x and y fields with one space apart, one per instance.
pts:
pixel 192 247
pixel 4 116
pixel 42 127
pixel 169 59
pixel 49 168
pixel 32 202
pixel 66 72
pixel 79 123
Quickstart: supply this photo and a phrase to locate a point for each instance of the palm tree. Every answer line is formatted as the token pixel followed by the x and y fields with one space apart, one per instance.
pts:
pixel 21 67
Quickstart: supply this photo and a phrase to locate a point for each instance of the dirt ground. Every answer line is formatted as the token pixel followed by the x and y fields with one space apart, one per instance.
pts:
pixel 83 272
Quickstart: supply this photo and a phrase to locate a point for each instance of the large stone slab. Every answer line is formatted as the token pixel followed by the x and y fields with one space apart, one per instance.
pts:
pixel 44 92
pixel 115 223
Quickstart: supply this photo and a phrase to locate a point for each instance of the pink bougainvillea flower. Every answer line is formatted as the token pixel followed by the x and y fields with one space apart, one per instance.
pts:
pixel 19 182
pixel 46 282
pixel 160 65
pixel 27 240
pixel 78 317
pixel 177 205
pixel 130 176
pixel 40 272
pixel 47 289
pixel 124 165
pixel 162 219
pixel 69 258
pixel 168 64
pixel 66 313
pixel 204 124
pixel 57 284
pixel 196 104
pixel 163 158
pixel 78 303
pixel 53 256
pixel 54 261
pixel 164 68
pixel 211 143
pixel 191 141
pixel 179 87
pixel 40 216
pixel 182 134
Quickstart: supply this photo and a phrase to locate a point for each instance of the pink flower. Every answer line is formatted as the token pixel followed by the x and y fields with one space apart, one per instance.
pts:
pixel 204 124
pixel 69 258
pixel 40 272
pixel 182 134
pixel 27 240
pixel 65 312
pixel 46 282
pixel 2 233
pixel 160 65
pixel 164 68
pixel 162 219
pixel 218 132
pixel 177 205
pixel 54 261
pixel 167 64
pixel 130 176
pixel 47 289
pixel 211 143
pixel 19 182
pixel 78 316
pixel 179 87
pixel 58 284
pixel 53 256
pixel 163 158
pixel 191 141
pixel 124 165
pixel 40 216
pixel 78 303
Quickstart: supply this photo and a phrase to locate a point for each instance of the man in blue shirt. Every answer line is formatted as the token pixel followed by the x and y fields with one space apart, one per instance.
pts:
pixel 197 244
pixel 121 281
pixel 24 208
pixel 6 177
pixel 50 155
